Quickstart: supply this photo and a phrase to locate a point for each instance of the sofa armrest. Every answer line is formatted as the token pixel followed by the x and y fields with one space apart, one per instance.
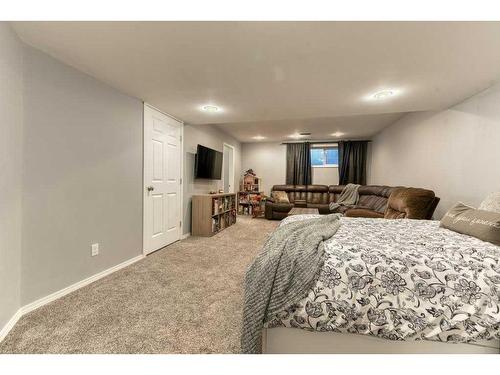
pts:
pixel 272 208
pixel 363 212
pixel 268 210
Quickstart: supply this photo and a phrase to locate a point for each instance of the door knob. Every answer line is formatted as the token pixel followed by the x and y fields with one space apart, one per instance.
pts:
pixel 150 188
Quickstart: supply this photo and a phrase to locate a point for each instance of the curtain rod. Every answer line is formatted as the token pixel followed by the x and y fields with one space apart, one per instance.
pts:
pixel 319 142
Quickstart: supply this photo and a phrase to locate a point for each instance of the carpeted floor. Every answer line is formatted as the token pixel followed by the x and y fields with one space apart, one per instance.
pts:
pixel 185 298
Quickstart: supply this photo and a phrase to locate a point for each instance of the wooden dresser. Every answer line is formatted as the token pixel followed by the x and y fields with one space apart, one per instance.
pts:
pixel 212 213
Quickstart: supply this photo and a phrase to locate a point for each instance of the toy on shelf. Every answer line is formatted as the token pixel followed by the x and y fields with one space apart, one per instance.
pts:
pixel 258 205
pixel 250 182
pixel 250 196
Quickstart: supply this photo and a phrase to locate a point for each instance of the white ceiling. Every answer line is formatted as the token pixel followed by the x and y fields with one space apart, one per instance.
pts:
pixel 274 78
pixel 354 127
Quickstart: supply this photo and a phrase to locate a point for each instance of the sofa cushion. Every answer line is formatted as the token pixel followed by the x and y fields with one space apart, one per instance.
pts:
pixel 377 190
pixel 374 197
pixel 373 202
pixel 286 188
pixel 334 192
pixel 300 192
pixel 280 197
pixel 317 194
pixel 336 189
pixel 317 188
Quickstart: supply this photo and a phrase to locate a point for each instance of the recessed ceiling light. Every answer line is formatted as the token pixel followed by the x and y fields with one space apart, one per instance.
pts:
pixel 259 137
pixel 210 108
pixel 384 94
pixel 295 136
pixel 337 134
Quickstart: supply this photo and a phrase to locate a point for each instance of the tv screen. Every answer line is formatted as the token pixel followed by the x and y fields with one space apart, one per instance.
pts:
pixel 208 163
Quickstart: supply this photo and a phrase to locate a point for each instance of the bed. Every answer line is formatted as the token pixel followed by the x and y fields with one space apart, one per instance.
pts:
pixel 395 286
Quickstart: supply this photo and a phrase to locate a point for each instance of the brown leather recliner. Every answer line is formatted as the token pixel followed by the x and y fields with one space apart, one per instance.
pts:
pixel 411 203
pixel 374 201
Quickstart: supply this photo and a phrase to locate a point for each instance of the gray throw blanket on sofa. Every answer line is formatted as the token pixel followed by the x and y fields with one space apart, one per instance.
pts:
pixel 283 273
pixel 348 197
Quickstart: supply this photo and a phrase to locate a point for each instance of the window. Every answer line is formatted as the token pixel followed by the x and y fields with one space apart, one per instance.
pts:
pixel 324 156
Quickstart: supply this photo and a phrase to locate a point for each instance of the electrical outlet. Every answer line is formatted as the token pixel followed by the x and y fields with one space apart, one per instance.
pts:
pixel 95 249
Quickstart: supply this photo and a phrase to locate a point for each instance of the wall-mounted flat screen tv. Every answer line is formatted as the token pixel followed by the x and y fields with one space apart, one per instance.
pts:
pixel 208 163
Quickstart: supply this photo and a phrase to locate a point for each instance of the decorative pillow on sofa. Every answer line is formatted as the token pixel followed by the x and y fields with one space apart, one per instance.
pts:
pixel 280 196
pixel 481 224
pixel 491 203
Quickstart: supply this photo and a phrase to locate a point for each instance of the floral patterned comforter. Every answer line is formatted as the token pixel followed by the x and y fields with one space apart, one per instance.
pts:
pixel 402 280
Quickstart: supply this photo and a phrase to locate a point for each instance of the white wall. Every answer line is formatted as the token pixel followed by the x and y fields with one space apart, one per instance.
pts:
pixel 82 176
pixel 455 152
pixel 268 160
pixel 11 131
pixel 214 138
pixel 325 176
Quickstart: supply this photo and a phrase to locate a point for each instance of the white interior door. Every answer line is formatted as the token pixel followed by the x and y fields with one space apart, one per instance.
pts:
pixel 228 168
pixel 162 179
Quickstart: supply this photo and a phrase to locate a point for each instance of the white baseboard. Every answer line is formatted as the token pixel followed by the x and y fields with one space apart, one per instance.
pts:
pixel 10 324
pixel 61 293
pixel 185 235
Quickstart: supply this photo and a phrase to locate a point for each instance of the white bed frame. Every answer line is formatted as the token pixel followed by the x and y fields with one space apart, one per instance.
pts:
pixel 297 341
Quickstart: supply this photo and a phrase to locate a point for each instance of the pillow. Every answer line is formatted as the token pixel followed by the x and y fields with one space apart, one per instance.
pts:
pixel 491 203
pixel 481 224
pixel 280 197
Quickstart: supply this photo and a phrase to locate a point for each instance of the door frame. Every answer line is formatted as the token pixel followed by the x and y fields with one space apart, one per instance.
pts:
pixel 181 159
pixel 223 165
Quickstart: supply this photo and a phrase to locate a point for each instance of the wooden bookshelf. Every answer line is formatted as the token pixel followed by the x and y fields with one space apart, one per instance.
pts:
pixel 212 213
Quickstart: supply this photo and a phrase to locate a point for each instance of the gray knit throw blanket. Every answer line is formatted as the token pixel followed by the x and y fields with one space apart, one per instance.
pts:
pixel 283 273
pixel 348 197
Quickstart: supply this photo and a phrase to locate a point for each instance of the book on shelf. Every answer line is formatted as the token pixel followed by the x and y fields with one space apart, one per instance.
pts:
pixel 224 212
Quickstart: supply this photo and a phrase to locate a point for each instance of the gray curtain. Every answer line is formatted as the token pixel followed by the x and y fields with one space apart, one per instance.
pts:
pixel 298 163
pixel 352 162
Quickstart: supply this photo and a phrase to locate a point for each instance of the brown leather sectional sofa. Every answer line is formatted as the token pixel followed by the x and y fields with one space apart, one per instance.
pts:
pixel 374 201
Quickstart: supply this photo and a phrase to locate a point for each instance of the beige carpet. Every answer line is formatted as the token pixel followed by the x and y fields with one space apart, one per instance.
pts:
pixel 186 298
